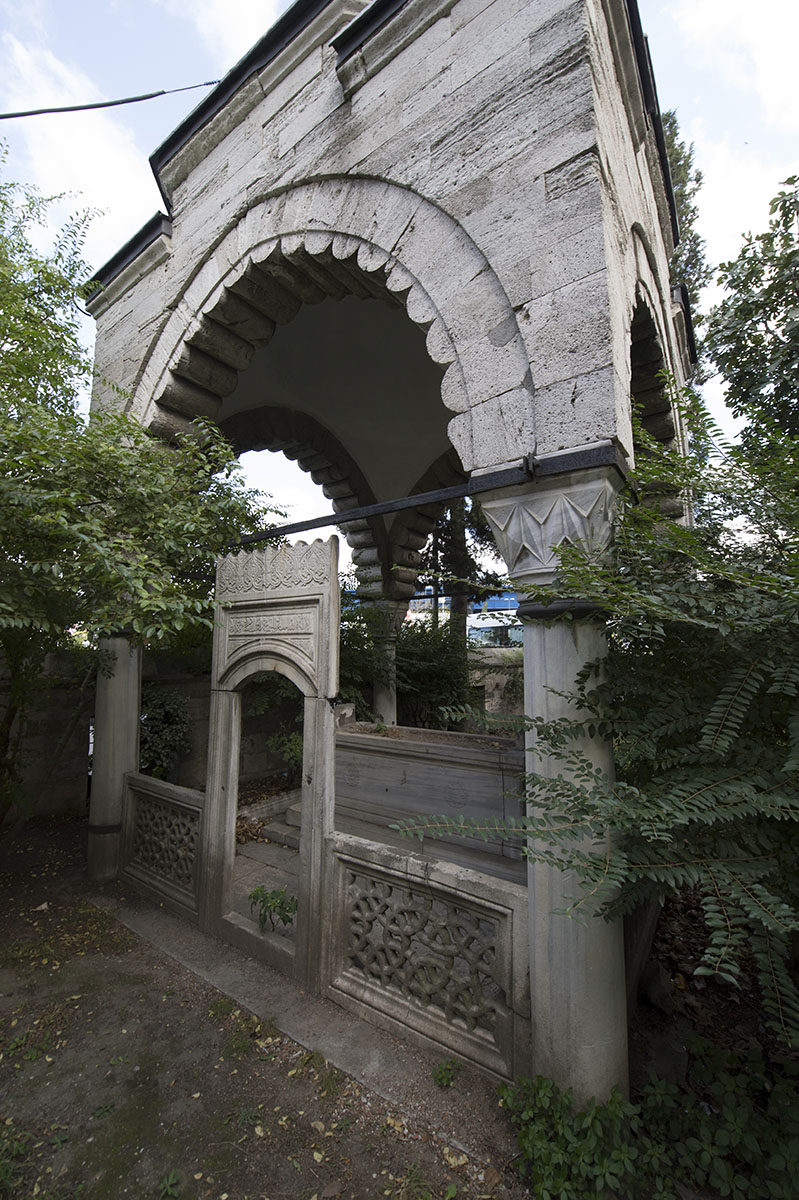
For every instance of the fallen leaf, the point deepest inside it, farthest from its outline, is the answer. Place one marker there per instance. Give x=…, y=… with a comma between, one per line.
x=453, y=1159
x=318, y=1156
x=318, y=1126
x=492, y=1179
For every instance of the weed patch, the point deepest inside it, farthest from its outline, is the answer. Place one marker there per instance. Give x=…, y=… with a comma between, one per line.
x=444, y=1073
x=244, y=1035
x=735, y=1132
x=15, y=1146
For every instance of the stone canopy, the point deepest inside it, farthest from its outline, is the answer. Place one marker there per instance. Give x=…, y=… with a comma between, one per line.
x=407, y=242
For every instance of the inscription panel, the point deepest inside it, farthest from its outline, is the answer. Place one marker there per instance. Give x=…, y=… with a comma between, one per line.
x=272, y=568
x=270, y=624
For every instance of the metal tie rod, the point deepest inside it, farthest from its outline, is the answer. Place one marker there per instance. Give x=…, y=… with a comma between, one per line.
x=600, y=454
x=470, y=487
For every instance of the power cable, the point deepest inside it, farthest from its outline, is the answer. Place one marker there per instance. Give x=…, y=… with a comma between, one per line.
x=40, y=112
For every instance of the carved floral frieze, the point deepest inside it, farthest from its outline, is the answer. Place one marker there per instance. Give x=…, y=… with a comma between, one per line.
x=272, y=568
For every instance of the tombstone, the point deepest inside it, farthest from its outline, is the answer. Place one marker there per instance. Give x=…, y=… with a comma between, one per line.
x=278, y=610
x=415, y=244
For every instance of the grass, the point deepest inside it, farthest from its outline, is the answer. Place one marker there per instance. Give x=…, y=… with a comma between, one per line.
x=15, y=1145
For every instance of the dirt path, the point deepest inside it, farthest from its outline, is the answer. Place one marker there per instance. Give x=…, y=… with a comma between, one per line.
x=124, y=1074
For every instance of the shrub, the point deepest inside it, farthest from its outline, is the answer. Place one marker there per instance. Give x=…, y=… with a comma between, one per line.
x=734, y=1131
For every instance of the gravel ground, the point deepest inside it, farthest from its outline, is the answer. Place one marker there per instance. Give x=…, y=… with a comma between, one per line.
x=122, y=1073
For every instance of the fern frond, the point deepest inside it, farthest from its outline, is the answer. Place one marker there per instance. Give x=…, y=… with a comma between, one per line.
x=777, y=987
x=785, y=679
x=728, y=714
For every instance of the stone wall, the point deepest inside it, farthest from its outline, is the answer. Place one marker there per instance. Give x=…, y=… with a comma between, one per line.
x=452, y=125
x=54, y=750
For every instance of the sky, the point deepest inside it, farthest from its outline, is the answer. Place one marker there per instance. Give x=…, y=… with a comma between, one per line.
x=727, y=67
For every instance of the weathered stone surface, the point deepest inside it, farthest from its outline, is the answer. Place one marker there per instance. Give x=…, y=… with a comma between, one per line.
x=487, y=170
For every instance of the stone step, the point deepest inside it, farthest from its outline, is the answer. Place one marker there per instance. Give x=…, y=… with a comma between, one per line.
x=282, y=834
x=293, y=815
x=275, y=806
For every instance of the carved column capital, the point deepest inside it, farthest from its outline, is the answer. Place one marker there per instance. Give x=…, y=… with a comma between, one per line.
x=532, y=523
x=387, y=616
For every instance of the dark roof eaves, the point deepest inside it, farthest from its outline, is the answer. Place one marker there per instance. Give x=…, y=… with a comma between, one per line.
x=361, y=28
x=158, y=224
x=652, y=106
x=274, y=42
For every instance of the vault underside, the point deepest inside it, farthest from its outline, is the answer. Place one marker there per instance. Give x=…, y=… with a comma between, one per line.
x=348, y=389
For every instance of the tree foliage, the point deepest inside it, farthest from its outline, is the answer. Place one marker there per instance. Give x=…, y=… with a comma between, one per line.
x=689, y=263
x=42, y=359
x=454, y=564
x=753, y=333
x=700, y=694
x=102, y=527
x=431, y=667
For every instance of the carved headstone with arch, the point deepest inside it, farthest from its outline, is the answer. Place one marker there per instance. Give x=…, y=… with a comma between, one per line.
x=277, y=610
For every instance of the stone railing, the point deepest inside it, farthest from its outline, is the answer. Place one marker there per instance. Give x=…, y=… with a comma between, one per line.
x=161, y=842
x=430, y=948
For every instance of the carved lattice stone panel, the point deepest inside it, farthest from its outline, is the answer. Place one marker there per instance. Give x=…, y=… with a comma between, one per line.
x=165, y=840
x=425, y=948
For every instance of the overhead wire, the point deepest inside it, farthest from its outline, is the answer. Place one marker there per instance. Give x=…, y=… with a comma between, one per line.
x=71, y=108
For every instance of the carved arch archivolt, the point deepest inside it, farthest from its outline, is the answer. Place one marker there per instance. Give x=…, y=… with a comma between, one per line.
x=651, y=349
x=335, y=237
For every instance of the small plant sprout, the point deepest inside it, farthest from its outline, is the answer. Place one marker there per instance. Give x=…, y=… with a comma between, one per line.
x=444, y=1072
x=273, y=906
x=170, y=1186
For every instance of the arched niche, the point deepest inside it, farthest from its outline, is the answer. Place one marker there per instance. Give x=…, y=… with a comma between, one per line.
x=277, y=609
x=382, y=249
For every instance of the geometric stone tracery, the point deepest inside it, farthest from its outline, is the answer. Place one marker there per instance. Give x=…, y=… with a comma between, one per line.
x=430, y=951
x=165, y=840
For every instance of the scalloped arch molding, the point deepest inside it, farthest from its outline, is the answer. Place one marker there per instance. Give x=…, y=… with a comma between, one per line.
x=330, y=237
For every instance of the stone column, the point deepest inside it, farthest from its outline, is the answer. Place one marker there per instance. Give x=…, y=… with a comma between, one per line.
x=388, y=616
x=314, y=934
x=577, y=976
x=219, y=838
x=116, y=751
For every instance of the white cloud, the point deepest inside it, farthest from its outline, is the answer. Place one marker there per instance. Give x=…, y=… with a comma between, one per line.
x=91, y=155
x=739, y=183
x=31, y=16
x=752, y=47
x=295, y=492
x=227, y=27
